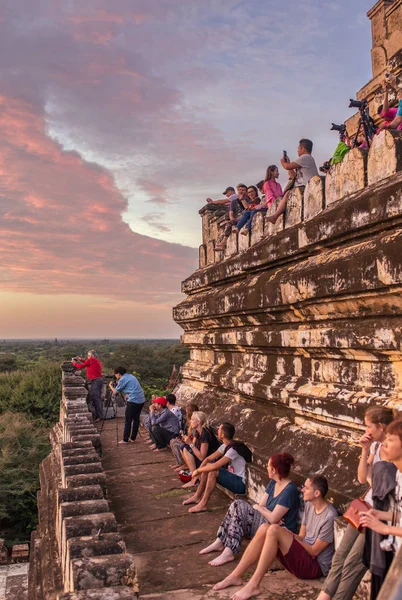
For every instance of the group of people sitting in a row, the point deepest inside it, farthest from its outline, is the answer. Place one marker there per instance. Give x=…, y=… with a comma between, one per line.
x=306, y=550
x=241, y=205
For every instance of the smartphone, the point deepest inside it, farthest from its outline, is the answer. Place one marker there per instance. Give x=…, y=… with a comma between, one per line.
x=285, y=155
x=387, y=75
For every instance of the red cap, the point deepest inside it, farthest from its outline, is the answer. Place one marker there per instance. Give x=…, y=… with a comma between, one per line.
x=162, y=401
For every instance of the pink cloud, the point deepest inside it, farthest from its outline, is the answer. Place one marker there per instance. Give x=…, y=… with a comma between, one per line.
x=63, y=231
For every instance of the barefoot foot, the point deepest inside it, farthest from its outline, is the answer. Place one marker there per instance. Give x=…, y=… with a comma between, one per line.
x=191, y=500
x=247, y=592
x=216, y=546
x=190, y=484
x=198, y=508
x=226, y=556
x=227, y=582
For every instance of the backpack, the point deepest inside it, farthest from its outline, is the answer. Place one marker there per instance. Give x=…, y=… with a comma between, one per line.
x=241, y=449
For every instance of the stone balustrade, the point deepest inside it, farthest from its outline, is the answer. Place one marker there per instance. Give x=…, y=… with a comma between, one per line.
x=76, y=551
x=353, y=177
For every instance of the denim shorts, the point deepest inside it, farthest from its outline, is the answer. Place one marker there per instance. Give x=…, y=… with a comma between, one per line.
x=231, y=482
x=190, y=450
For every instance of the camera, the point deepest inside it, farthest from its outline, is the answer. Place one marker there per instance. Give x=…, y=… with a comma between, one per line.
x=387, y=75
x=360, y=104
x=325, y=167
x=340, y=128
x=76, y=358
x=388, y=545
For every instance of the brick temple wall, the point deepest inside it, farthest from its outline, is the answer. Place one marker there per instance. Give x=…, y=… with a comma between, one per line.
x=297, y=328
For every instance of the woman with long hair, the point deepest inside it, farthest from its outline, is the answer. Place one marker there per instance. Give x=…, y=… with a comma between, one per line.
x=347, y=568
x=198, y=445
x=279, y=504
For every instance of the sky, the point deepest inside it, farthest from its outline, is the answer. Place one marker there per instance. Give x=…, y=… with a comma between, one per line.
x=118, y=119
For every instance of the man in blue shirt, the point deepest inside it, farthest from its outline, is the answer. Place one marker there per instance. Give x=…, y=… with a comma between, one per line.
x=130, y=387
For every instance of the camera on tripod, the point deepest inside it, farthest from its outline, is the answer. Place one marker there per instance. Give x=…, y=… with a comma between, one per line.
x=340, y=128
x=360, y=104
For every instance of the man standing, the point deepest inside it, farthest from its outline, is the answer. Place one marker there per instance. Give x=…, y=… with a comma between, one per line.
x=94, y=374
x=305, y=168
x=307, y=555
x=225, y=466
x=130, y=387
x=164, y=424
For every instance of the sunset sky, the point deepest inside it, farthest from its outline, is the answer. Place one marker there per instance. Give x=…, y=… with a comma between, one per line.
x=118, y=119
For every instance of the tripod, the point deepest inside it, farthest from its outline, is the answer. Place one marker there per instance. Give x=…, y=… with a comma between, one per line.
x=366, y=125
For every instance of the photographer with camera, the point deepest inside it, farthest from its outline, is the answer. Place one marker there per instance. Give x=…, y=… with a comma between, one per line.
x=131, y=388
x=94, y=374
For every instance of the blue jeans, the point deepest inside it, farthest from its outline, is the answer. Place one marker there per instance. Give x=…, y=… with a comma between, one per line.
x=247, y=218
x=231, y=482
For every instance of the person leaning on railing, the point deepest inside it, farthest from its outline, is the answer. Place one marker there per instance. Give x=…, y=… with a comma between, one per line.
x=94, y=374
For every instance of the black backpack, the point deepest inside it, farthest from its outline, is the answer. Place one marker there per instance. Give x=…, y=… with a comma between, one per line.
x=241, y=449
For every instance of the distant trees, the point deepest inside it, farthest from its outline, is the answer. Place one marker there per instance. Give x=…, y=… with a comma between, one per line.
x=23, y=445
x=30, y=394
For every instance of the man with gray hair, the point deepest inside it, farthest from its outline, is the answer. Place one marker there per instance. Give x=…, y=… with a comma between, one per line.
x=94, y=374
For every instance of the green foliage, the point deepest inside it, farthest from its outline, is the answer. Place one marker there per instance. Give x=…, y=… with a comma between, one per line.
x=30, y=393
x=35, y=393
x=23, y=445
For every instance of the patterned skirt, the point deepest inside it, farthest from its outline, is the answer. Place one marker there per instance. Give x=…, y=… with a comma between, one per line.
x=241, y=521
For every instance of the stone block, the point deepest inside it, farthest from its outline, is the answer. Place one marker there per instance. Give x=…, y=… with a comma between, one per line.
x=269, y=228
x=95, y=439
x=243, y=241
x=72, y=392
x=84, y=507
x=79, y=494
x=294, y=208
x=107, y=571
x=87, y=546
x=347, y=177
x=257, y=228
x=202, y=254
x=385, y=156
x=73, y=481
x=83, y=468
x=3, y=552
x=210, y=253
x=79, y=459
x=70, y=448
x=232, y=245
x=314, y=199
x=88, y=525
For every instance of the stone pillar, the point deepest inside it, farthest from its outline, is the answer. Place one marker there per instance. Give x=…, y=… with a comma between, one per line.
x=385, y=156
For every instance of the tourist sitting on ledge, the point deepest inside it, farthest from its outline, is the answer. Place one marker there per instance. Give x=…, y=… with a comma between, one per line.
x=199, y=445
x=229, y=193
x=164, y=424
x=307, y=555
x=396, y=122
x=232, y=216
x=305, y=168
x=176, y=410
x=255, y=205
x=225, y=466
x=347, y=568
x=387, y=112
x=177, y=443
x=280, y=504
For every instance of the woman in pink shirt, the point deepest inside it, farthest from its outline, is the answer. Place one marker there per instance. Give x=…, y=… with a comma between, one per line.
x=271, y=188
